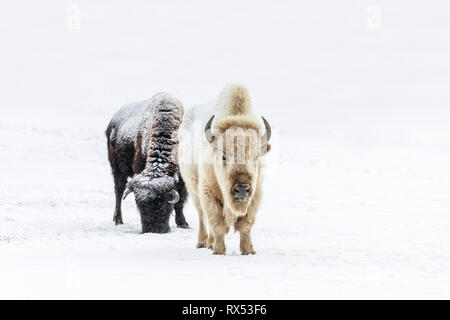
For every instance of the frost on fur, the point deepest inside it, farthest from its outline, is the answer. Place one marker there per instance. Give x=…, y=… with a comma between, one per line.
x=234, y=100
x=147, y=189
x=143, y=144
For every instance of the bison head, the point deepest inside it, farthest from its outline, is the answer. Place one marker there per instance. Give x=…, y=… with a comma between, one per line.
x=238, y=148
x=155, y=199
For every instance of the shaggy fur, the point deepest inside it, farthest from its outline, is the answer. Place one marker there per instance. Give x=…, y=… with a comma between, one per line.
x=142, y=143
x=211, y=178
x=235, y=101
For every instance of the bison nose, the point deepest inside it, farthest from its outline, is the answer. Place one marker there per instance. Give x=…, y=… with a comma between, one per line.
x=241, y=190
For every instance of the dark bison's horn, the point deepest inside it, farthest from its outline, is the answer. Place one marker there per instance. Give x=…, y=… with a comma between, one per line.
x=266, y=137
x=127, y=192
x=176, y=196
x=208, y=133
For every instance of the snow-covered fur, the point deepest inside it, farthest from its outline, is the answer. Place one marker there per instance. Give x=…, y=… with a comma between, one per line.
x=142, y=144
x=225, y=191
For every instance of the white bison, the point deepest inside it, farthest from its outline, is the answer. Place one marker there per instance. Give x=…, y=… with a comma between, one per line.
x=221, y=161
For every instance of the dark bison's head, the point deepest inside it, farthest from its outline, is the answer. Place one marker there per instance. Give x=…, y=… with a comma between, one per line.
x=155, y=199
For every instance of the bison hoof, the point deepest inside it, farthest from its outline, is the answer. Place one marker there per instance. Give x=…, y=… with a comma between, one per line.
x=247, y=252
x=201, y=245
x=184, y=225
x=117, y=219
x=210, y=242
x=220, y=251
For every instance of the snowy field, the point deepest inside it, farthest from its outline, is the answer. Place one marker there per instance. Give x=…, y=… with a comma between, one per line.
x=357, y=201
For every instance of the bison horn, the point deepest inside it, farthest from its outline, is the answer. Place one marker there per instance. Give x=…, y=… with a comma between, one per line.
x=176, y=196
x=266, y=137
x=208, y=133
x=127, y=192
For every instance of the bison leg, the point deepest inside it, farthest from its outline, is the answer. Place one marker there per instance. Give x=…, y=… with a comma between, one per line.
x=219, y=231
x=202, y=232
x=119, y=182
x=119, y=188
x=216, y=221
x=179, y=216
x=244, y=226
x=210, y=241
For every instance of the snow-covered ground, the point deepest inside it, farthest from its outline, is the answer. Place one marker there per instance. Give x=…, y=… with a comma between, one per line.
x=357, y=200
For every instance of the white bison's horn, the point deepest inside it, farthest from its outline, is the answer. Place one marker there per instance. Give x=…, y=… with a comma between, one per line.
x=208, y=133
x=266, y=137
x=176, y=196
x=127, y=192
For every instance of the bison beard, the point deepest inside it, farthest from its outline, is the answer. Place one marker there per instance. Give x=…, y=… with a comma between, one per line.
x=142, y=144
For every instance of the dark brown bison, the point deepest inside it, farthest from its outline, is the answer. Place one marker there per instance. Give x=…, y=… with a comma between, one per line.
x=142, y=147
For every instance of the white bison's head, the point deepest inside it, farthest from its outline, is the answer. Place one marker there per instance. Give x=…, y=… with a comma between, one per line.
x=237, y=150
